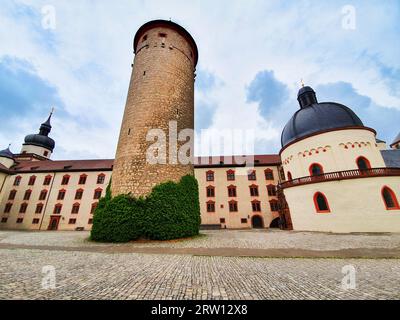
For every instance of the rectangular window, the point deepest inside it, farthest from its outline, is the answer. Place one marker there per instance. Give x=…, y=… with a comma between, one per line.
x=254, y=191
x=57, y=209
x=90, y=221
x=274, y=206
x=4, y=220
x=256, y=206
x=20, y=220
x=233, y=206
x=230, y=175
x=39, y=208
x=269, y=175
x=12, y=195
x=271, y=191
x=23, y=208
x=222, y=220
x=97, y=194
x=79, y=195
x=244, y=221
x=252, y=176
x=75, y=209
x=35, y=221
x=65, y=180
x=8, y=207
x=43, y=195
x=61, y=195
x=17, y=181
x=210, y=192
x=72, y=221
x=232, y=192
x=82, y=179
x=101, y=179
x=211, y=207
x=32, y=181
x=210, y=176
x=27, y=195
x=47, y=181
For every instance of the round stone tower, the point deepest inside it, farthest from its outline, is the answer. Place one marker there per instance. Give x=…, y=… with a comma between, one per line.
x=161, y=93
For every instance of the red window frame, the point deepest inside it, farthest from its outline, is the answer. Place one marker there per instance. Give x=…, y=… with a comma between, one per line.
x=17, y=181
x=43, y=194
x=271, y=189
x=254, y=191
x=210, y=192
x=274, y=205
x=23, y=207
x=321, y=168
x=317, y=209
x=79, y=194
x=82, y=179
x=269, y=175
x=367, y=163
x=232, y=191
x=233, y=206
x=393, y=196
x=57, y=208
x=97, y=193
x=65, y=180
x=32, y=180
x=8, y=207
x=61, y=194
x=289, y=176
x=230, y=175
x=252, y=175
x=12, y=195
x=211, y=206
x=101, y=178
x=256, y=206
x=47, y=180
x=39, y=208
x=210, y=176
x=27, y=195
x=75, y=208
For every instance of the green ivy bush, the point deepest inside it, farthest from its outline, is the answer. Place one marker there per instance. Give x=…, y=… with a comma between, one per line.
x=171, y=211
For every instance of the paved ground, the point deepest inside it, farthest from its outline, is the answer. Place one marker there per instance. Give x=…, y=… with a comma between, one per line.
x=105, y=275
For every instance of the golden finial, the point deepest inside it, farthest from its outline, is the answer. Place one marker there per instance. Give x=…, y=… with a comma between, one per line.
x=302, y=83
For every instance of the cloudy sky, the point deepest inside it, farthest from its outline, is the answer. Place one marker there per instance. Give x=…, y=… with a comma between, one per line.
x=253, y=55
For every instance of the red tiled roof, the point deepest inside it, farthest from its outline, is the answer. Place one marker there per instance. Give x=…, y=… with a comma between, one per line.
x=257, y=160
x=107, y=164
x=67, y=165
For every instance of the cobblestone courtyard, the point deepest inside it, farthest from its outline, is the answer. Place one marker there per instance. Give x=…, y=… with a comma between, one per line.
x=95, y=273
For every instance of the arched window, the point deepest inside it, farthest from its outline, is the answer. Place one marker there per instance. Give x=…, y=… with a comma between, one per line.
x=289, y=176
x=321, y=203
x=389, y=198
x=363, y=163
x=316, y=169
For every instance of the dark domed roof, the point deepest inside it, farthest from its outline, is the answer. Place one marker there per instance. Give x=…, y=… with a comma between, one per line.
x=6, y=153
x=314, y=117
x=42, y=139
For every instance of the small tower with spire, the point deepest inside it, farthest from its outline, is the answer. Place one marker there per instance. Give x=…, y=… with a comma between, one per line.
x=7, y=157
x=40, y=144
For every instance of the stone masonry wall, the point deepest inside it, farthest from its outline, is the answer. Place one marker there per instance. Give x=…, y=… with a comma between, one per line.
x=161, y=90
